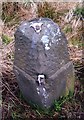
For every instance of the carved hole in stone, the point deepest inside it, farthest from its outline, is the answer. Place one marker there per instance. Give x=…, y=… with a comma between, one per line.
x=37, y=27
x=37, y=82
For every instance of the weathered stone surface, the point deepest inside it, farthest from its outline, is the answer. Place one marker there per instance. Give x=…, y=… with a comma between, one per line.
x=41, y=62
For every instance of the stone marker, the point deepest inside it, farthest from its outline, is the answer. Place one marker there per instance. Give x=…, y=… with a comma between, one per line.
x=41, y=62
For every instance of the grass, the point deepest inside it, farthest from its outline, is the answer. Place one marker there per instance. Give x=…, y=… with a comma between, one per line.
x=58, y=103
x=67, y=29
x=46, y=10
x=16, y=116
x=38, y=111
x=10, y=20
x=19, y=112
x=56, y=107
x=6, y=39
x=79, y=11
x=7, y=18
x=10, y=13
x=76, y=41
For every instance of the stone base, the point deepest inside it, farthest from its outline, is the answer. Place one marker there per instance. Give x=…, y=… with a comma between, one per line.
x=59, y=84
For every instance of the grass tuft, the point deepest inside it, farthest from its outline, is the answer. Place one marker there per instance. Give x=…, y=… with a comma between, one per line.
x=6, y=39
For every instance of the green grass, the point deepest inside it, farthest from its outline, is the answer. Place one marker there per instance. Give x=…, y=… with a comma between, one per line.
x=76, y=42
x=79, y=11
x=67, y=29
x=6, y=18
x=58, y=103
x=10, y=20
x=6, y=39
x=56, y=107
x=16, y=116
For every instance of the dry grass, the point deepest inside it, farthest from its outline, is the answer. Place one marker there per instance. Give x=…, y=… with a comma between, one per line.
x=14, y=106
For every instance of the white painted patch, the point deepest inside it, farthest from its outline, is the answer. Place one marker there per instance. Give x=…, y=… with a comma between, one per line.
x=38, y=92
x=48, y=25
x=47, y=47
x=25, y=24
x=23, y=30
x=45, y=41
x=58, y=31
x=41, y=79
x=59, y=39
x=37, y=89
x=50, y=44
x=18, y=49
x=44, y=89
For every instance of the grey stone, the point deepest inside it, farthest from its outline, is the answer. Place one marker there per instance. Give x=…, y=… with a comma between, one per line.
x=41, y=61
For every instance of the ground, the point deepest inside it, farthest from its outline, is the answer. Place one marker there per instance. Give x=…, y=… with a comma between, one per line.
x=14, y=107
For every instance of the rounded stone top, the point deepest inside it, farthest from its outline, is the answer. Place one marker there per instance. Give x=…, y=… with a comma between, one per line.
x=36, y=25
x=41, y=30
